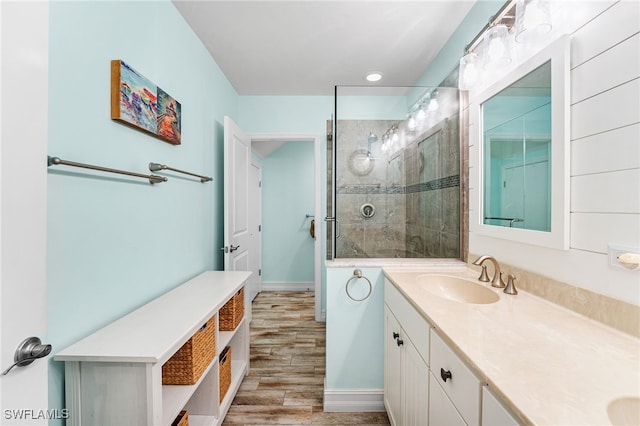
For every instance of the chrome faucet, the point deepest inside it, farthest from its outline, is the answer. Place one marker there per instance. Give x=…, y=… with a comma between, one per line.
x=496, y=281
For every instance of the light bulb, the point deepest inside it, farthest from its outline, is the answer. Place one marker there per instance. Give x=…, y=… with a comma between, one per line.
x=533, y=20
x=411, y=124
x=433, y=105
x=497, y=50
x=469, y=73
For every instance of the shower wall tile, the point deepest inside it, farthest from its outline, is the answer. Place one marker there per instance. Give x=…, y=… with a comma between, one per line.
x=451, y=210
x=415, y=193
x=450, y=244
x=350, y=243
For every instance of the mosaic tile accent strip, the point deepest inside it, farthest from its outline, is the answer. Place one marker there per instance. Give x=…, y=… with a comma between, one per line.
x=370, y=189
x=442, y=183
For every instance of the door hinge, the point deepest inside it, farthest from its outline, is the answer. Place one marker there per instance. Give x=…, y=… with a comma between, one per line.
x=259, y=228
x=259, y=272
x=259, y=184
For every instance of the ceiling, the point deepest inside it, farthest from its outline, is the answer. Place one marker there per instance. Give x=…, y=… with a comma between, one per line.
x=307, y=47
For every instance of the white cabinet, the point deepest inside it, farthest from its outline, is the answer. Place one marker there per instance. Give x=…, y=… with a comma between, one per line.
x=493, y=411
x=392, y=368
x=459, y=383
x=406, y=372
x=114, y=376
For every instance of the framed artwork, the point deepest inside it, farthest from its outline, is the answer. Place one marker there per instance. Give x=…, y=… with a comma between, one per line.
x=137, y=102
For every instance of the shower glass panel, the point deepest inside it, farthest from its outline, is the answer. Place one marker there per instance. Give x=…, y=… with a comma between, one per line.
x=396, y=172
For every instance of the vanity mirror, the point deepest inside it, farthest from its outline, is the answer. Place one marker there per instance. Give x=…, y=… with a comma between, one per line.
x=522, y=150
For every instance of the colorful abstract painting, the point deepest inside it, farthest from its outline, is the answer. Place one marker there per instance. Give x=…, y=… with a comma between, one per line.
x=137, y=102
x=168, y=121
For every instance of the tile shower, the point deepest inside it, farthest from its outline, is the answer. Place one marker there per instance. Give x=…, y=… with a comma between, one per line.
x=399, y=200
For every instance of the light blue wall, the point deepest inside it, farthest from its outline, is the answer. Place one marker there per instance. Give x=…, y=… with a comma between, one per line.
x=285, y=114
x=371, y=107
x=355, y=330
x=287, y=196
x=115, y=243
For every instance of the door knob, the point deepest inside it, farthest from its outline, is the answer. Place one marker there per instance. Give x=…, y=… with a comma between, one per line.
x=28, y=351
x=233, y=248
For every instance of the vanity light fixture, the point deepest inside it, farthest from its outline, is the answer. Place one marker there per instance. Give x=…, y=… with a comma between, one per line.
x=530, y=20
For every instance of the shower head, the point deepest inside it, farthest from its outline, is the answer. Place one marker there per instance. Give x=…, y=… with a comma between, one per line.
x=371, y=139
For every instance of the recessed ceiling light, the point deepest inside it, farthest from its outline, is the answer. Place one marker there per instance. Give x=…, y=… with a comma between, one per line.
x=373, y=76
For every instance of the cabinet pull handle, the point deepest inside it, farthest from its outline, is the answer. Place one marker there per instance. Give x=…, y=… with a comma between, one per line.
x=445, y=374
x=395, y=335
x=399, y=342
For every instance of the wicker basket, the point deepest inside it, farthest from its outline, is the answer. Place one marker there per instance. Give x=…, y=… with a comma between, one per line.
x=181, y=420
x=232, y=312
x=187, y=365
x=225, y=371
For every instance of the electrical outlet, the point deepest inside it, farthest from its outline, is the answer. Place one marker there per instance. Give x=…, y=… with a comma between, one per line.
x=615, y=251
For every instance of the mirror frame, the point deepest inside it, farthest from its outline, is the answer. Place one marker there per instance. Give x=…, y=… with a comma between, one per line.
x=558, y=52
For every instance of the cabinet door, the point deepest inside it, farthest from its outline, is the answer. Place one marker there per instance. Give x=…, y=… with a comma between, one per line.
x=441, y=409
x=493, y=412
x=415, y=387
x=392, y=368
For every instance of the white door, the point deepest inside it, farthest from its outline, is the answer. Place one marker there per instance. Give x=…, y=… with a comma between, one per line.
x=24, y=54
x=255, y=230
x=237, y=159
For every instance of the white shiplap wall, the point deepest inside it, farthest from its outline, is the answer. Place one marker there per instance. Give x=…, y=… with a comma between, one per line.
x=605, y=156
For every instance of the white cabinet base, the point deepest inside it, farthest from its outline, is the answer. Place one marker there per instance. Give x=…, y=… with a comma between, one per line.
x=114, y=376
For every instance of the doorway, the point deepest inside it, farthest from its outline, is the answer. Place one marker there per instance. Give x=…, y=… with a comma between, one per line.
x=263, y=146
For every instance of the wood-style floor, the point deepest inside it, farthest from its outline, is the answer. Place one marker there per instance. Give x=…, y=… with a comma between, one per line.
x=286, y=379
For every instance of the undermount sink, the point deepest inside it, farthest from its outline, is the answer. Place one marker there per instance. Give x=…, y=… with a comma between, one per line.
x=456, y=289
x=624, y=411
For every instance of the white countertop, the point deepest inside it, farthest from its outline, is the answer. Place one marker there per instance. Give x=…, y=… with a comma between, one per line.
x=156, y=330
x=549, y=364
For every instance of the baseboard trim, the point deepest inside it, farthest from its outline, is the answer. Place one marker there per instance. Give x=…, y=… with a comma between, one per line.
x=288, y=286
x=355, y=401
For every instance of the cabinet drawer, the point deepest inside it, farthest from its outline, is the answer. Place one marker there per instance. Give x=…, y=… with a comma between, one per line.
x=414, y=324
x=462, y=387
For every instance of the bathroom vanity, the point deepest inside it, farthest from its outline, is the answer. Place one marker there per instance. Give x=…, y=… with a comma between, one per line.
x=497, y=358
x=114, y=376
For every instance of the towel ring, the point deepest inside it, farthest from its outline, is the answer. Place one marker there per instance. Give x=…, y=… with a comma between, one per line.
x=357, y=274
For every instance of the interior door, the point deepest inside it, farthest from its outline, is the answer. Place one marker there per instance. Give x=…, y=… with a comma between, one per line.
x=23, y=202
x=237, y=159
x=255, y=230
